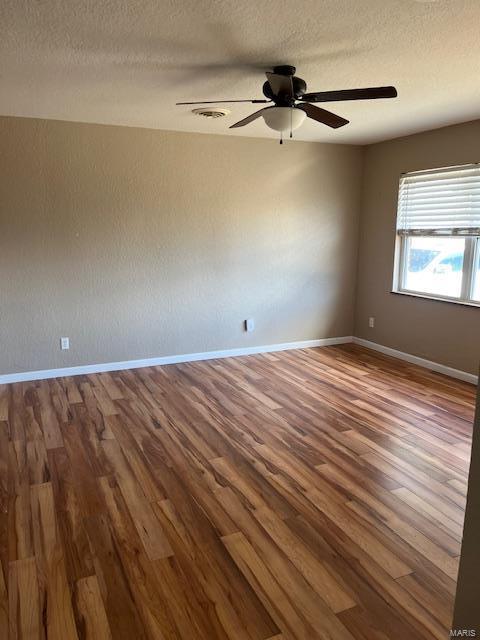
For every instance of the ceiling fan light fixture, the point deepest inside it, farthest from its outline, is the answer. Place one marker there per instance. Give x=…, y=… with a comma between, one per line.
x=283, y=118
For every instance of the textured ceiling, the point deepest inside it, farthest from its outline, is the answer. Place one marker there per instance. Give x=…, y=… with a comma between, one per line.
x=127, y=62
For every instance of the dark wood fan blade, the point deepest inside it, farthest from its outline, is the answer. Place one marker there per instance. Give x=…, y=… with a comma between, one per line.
x=281, y=85
x=323, y=116
x=370, y=93
x=248, y=119
x=220, y=101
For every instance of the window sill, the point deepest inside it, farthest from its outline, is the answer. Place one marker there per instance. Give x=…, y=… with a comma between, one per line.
x=424, y=296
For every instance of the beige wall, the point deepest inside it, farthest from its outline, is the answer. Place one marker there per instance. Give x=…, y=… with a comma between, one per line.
x=440, y=331
x=138, y=243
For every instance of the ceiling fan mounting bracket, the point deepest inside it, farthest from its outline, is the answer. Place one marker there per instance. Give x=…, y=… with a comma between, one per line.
x=284, y=70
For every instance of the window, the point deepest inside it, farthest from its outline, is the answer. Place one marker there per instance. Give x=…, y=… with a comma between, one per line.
x=438, y=234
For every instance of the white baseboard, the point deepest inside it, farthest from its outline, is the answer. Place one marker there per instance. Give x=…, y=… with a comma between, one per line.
x=421, y=362
x=25, y=376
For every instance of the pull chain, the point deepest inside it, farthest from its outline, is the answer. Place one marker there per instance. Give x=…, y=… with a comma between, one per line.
x=281, y=137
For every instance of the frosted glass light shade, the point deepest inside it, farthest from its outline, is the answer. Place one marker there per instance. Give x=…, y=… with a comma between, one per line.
x=283, y=118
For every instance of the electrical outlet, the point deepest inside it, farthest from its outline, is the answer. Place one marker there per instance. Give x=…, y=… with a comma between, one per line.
x=249, y=324
x=371, y=322
x=64, y=344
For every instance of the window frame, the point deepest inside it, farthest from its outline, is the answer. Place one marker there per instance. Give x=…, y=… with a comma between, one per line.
x=476, y=267
x=471, y=256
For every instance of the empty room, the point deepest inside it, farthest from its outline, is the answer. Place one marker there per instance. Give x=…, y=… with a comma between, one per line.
x=239, y=320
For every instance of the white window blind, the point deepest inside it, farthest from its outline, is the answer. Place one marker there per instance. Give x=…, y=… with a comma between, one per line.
x=440, y=202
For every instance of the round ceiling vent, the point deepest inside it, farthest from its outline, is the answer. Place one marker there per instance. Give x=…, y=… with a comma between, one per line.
x=211, y=112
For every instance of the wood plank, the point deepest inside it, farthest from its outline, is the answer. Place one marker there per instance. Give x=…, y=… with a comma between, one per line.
x=199, y=550
x=20, y=532
x=4, y=402
x=89, y=610
x=49, y=420
x=123, y=617
x=312, y=608
x=148, y=527
x=279, y=604
x=55, y=593
x=25, y=614
x=403, y=521
x=4, y=603
x=431, y=512
x=301, y=495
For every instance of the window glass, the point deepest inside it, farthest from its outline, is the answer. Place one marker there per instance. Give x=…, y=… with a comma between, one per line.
x=434, y=265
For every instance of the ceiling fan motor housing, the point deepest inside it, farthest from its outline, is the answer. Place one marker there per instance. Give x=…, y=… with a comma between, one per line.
x=299, y=88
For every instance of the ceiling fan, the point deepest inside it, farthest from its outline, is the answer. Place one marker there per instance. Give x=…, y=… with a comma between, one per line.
x=292, y=103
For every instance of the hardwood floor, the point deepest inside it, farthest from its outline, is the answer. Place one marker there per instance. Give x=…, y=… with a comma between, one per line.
x=306, y=494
